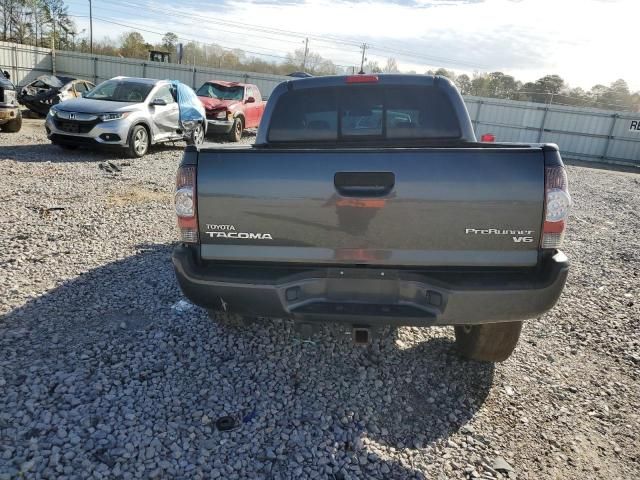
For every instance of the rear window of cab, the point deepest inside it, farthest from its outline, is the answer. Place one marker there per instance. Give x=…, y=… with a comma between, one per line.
x=357, y=112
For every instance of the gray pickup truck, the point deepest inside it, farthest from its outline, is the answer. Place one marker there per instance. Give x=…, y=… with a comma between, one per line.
x=367, y=200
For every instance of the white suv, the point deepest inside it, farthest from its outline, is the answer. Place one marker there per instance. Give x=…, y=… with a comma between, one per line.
x=128, y=112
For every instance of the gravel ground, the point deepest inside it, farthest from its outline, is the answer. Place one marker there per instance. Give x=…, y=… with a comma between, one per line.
x=104, y=373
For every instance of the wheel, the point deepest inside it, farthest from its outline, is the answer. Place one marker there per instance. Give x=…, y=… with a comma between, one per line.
x=138, y=142
x=196, y=137
x=13, y=126
x=491, y=342
x=236, y=131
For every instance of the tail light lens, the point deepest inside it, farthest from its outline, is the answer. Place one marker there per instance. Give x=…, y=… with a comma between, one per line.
x=488, y=138
x=185, y=203
x=557, y=207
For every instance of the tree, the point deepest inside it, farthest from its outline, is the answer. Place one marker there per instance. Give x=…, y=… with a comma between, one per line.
x=132, y=45
x=550, y=84
x=314, y=64
x=635, y=102
x=391, y=66
x=575, y=97
x=501, y=85
x=443, y=72
x=169, y=41
x=617, y=94
x=372, y=67
x=480, y=85
x=463, y=82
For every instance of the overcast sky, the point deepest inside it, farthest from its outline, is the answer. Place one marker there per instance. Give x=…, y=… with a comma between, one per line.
x=584, y=41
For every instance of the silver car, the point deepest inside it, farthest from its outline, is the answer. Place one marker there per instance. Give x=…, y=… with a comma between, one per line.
x=133, y=113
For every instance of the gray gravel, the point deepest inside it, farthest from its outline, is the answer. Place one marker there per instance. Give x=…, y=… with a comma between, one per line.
x=104, y=373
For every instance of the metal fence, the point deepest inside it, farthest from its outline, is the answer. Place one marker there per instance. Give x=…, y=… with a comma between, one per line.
x=582, y=133
x=587, y=134
x=25, y=63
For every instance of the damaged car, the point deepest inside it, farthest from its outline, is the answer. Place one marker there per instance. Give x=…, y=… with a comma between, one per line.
x=10, y=116
x=132, y=113
x=231, y=107
x=47, y=90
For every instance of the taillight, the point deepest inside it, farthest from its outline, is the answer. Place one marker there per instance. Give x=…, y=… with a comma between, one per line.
x=557, y=206
x=185, y=202
x=362, y=79
x=488, y=137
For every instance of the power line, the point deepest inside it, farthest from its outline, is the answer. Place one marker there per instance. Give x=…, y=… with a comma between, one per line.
x=112, y=22
x=324, y=39
x=289, y=42
x=190, y=39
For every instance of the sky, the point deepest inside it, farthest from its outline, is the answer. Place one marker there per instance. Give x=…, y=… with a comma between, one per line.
x=584, y=41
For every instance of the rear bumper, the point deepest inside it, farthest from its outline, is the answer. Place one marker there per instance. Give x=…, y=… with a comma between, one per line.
x=373, y=296
x=8, y=113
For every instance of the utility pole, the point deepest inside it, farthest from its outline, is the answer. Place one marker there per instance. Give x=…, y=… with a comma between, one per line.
x=53, y=47
x=35, y=21
x=90, y=27
x=363, y=47
x=306, y=52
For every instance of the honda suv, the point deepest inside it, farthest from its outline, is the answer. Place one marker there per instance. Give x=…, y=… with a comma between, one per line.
x=133, y=113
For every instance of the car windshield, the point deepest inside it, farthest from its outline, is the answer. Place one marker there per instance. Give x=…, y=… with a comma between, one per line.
x=120, y=91
x=214, y=90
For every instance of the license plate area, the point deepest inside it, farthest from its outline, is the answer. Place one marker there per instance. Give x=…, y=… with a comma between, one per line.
x=363, y=285
x=70, y=127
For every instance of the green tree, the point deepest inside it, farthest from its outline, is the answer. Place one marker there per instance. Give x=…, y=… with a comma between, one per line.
x=169, y=41
x=501, y=85
x=547, y=87
x=617, y=95
x=480, y=85
x=443, y=72
x=463, y=82
x=132, y=45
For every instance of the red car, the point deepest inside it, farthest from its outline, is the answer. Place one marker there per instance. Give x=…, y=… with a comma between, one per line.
x=231, y=107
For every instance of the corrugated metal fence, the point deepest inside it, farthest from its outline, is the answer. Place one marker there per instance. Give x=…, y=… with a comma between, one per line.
x=588, y=134
x=25, y=63
x=582, y=133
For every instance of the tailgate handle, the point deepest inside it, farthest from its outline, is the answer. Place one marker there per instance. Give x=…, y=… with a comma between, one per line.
x=364, y=184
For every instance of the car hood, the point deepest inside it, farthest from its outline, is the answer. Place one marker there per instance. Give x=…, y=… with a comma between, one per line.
x=215, y=103
x=89, y=105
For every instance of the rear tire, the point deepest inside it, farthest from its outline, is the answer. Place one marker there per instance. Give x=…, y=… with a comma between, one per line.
x=491, y=342
x=13, y=126
x=236, y=131
x=139, y=142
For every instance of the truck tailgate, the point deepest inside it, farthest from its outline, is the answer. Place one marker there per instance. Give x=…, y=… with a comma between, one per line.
x=397, y=207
